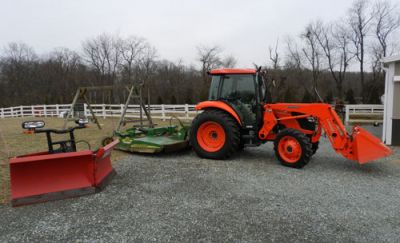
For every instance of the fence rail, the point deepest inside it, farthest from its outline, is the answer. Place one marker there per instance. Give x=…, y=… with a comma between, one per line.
x=354, y=113
x=184, y=111
x=364, y=113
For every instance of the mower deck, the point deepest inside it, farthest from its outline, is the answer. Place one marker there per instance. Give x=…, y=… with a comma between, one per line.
x=153, y=140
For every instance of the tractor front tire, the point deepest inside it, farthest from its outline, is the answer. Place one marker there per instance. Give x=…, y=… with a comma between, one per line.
x=214, y=135
x=315, y=147
x=293, y=148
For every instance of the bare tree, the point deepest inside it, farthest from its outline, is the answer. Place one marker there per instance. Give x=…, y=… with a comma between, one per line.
x=229, y=62
x=18, y=53
x=102, y=53
x=274, y=55
x=334, y=41
x=147, y=65
x=360, y=18
x=18, y=61
x=294, y=57
x=292, y=77
x=387, y=20
x=62, y=69
x=132, y=49
x=209, y=58
x=66, y=58
x=312, y=52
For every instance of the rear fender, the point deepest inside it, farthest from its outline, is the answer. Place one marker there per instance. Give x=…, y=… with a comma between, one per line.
x=218, y=105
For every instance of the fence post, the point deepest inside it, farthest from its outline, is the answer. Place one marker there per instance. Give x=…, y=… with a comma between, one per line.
x=163, y=112
x=2, y=112
x=104, y=111
x=12, y=111
x=57, y=110
x=21, y=110
x=347, y=115
x=45, y=110
x=187, y=111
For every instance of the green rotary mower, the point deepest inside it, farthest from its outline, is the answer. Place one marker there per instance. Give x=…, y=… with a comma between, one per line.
x=144, y=136
x=153, y=139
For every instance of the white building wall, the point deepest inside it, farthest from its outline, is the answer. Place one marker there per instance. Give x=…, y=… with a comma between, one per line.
x=388, y=114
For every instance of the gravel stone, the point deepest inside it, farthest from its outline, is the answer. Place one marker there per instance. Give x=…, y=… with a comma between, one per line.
x=250, y=198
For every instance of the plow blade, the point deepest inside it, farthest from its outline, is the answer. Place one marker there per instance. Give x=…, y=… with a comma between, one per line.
x=366, y=147
x=45, y=177
x=103, y=171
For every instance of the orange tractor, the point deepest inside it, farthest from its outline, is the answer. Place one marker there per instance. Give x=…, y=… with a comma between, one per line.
x=238, y=113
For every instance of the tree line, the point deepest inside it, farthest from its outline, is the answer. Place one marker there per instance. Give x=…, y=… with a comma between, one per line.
x=339, y=60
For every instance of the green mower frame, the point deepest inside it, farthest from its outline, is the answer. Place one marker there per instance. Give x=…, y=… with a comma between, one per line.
x=148, y=139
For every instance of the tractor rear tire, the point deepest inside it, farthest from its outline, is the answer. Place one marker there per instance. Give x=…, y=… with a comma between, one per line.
x=293, y=148
x=214, y=135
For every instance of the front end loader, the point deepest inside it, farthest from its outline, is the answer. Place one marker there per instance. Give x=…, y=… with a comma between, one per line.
x=240, y=114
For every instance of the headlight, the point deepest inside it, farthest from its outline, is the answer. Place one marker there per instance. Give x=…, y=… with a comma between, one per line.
x=33, y=124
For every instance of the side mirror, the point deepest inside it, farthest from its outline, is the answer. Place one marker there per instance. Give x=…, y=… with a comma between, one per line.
x=33, y=124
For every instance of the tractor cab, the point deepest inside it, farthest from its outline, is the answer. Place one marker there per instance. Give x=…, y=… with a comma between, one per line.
x=243, y=90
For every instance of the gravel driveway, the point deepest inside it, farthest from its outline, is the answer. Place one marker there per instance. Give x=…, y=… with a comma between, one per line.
x=182, y=198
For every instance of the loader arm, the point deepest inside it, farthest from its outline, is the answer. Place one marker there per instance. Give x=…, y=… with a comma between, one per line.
x=360, y=145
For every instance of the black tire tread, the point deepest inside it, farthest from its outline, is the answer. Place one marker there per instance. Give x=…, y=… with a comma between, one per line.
x=230, y=126
x=305, y=143
x=314, y=147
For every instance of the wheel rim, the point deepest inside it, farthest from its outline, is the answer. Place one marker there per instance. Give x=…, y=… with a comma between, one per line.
x=211, y=136
x=289, y=149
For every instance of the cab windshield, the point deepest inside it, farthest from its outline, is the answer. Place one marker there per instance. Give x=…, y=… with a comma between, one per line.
x=239, y=90
x=233, y=87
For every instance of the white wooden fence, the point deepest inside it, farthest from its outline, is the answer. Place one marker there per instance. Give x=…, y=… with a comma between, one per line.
x=364, y=113
x=368, y=113
x=101, y=110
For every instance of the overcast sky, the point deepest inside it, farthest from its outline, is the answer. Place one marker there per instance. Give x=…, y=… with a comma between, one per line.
x=243, y=29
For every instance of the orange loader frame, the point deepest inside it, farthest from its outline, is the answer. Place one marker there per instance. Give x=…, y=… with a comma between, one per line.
x=360, y=145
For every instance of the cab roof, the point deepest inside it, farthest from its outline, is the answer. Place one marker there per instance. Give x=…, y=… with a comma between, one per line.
x=223, y=71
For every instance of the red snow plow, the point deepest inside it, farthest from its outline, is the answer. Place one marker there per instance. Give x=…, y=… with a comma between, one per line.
x=61, y=172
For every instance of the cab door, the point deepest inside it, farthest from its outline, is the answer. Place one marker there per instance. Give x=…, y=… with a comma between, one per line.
x=240, y=92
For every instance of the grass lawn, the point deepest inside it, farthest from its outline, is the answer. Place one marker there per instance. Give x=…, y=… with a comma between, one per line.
x=15, y=143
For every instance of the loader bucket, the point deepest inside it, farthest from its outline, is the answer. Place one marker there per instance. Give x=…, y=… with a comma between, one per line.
x=366, y=147
x=42, y=177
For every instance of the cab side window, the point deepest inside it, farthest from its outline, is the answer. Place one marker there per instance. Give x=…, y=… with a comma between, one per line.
x=238, y=87
x=214, y=88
